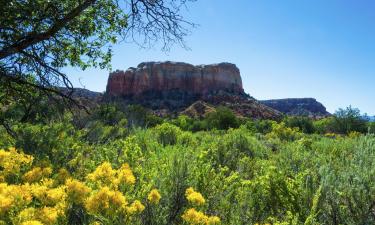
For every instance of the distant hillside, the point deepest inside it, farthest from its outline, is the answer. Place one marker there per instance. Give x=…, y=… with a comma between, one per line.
x=82, y=93
x=298, y=106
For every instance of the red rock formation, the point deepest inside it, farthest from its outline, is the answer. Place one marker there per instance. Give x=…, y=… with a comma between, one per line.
x=164, y=76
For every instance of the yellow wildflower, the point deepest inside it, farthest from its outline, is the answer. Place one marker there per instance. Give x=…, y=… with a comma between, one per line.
x=49, y=196
x=125, y=174
x=103, y=200
x=194, y=197
x=103, y=174
x=27, y=214
x=154, y=196
x=135, y=207
x=36, y=174
x=193, y=216
x=20, y=194
x=11, y=161
x=6, y=204
x=213, y=220
x=56, y=195
x=48, y=215
x=76, y=190
x=32, y=222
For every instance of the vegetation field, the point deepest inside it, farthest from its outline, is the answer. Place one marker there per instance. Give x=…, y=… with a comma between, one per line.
x=128, y=167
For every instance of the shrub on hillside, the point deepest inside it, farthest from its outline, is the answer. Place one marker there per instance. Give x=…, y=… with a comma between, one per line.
x=222, y=119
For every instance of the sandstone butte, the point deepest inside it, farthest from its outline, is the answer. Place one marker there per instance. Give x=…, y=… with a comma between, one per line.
x=166, y=76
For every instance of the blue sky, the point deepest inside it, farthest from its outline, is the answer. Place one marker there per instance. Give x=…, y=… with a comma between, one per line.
x=292, y=48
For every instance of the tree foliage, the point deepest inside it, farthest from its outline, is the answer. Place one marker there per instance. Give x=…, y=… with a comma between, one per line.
x=39, y=38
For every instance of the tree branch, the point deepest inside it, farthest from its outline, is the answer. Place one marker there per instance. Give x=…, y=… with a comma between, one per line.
x=33, y=38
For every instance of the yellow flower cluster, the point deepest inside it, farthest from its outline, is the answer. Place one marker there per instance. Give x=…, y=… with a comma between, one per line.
x=108, y=200
x=36, y=174
x=154, y=196
x=192, y=216
x=194, y=197
x=77, y=191
x=11, y=161
x=13, y=196
x=32, y=222
x=40, y=199
x=134, y=208
x=105, y=200
x=105, y=175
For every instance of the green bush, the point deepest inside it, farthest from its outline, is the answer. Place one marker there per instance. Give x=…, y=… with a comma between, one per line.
x=304, y=124
x=222, y=119
x=347, y=120
x=167, y=133
x=371, y=127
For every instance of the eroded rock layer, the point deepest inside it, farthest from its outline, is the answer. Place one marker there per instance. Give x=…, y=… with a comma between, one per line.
x=164, y=76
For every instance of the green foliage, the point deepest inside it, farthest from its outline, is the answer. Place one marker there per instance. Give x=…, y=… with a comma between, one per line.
x=304, y=124
x=284, y=133
x=139, y=116
x=324, y=125
x=167, y=133
x=108, y=114
x=222, y=119
x=347, y=120
x=246, y=177
x=371, y=127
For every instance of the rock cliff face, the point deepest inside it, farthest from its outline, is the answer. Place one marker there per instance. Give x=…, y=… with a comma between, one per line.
x=298, y=106
x=167, y=76
x=173, y=87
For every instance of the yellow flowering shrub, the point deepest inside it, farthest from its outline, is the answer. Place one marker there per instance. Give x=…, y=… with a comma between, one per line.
x=134, y=208
x=5, y=204
x=49, y=215
x=77, y=191
x=193, y=216
x=32, y=222
x=13, y=196
x=11, y=161
x=42, y=197
x=103, y=175
x=194, y=197
x=36, y=174
x=154, y=196
x=125, y=174
x=105, y=201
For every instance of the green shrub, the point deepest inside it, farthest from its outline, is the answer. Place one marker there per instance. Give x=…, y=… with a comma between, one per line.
x=304, y=124
x=167, y=133
x=284, y=133
x=371, y=127
x=222, y=119
x=347, y=120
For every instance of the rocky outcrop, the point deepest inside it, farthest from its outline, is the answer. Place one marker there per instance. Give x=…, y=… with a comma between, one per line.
x=198, y=109
x=298, y=107
x=152, y=77
x=174, y=86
